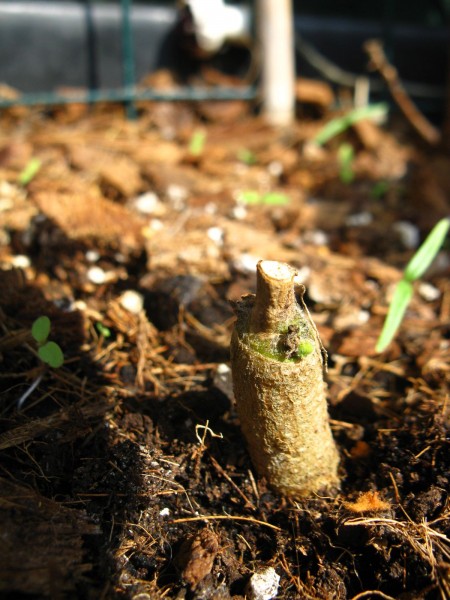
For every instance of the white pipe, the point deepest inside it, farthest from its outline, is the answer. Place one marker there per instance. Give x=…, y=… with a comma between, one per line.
x=276, y=37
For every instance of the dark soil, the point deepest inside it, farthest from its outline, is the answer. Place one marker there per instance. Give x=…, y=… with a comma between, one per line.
x=124, y=473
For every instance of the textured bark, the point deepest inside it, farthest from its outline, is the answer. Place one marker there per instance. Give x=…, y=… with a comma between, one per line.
x=277, y=363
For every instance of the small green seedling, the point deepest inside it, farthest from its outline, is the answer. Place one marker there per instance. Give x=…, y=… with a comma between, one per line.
x=30, y=171
x=103, y=330
x=250, y=197
x=49, y=352
x=197, y=143
x=380, y=189
x=416, y=267
x=247, y=157
x=341, y=124
x=346, y=156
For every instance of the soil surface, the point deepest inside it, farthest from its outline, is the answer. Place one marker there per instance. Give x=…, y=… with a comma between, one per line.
x=124, y=473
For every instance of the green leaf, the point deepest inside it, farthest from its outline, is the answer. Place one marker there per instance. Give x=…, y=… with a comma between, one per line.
x=30, y=171
x=379, y=189
x=40, y=329
x=340, y=124
x=103, y=330
x=197, y=143
x=270, y=199
x=427, y=252
x=402, y=297
x=51, y=354
x=346, y=154
x=250, y=197
x=275, y=199
x=247, y=157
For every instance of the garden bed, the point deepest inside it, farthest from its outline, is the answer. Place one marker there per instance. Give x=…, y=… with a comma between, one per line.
x=124, y=474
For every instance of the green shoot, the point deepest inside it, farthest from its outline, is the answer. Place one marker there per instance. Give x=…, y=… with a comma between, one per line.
x=49, y=352
x=103, y=330
x=402, y=296
x=30, y=171
x=413, y=271
x=197, y=143
x=427, y=252
x=346, y=155
x=250, y=197
x=41, y=329
x=380, y=189
x=247, y=157
x=341, y=124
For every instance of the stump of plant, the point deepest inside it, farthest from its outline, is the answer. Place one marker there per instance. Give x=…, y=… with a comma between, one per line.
x=277, y=363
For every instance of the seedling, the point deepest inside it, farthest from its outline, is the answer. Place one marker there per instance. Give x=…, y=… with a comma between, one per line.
x=341, y=124
x=277, y=365
x=30, y=171
x=346, y=155
x=49, y=352
x=197, y=143
x=414, y=270
x=252, y=197
x=247, y=157
x=103, y=330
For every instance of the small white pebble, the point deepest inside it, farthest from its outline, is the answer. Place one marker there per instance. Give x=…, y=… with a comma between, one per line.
x=165, y=512
x=275, y=168
x=147, y=204
x=363, y=316
x=21, y=261
x=429, y=292
x=409, y=234
x=210, y=208
x=263, y=585
x=132, y=301
x=156, y=225
x=239, y=212
x=316, y=237
x=177, y=195
x=79, y=305
x=216, y=235
x=246, y=263
x=97, y=275
x=359, y=219
x=223, y=369
x=92, y=256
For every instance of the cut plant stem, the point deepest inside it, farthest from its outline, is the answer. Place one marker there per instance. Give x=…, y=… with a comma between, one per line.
x=277, y=363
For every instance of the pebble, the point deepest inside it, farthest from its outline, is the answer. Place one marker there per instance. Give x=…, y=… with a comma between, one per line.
x=98, y=276
x=359, y=219
x=409, y=234
x=316, y=237
x=21, y=261
x=148, y=204
x=132, y=301
x=239, y=212
x=263, y=585
x=92, y=256
x=216, y=235
x=429, y=292
x=165, y=512
x=246, y=263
